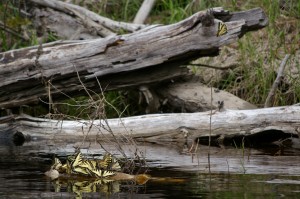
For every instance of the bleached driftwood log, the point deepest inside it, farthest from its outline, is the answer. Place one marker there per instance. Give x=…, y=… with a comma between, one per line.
x=34, y=73
x=193, y=96
x=181, y=127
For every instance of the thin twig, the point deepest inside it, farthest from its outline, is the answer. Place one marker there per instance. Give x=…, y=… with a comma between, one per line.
x=277, y=81
x=209, y=138
x=214, y=67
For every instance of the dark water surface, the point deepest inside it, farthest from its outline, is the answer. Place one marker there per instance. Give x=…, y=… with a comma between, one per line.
x=235, y=173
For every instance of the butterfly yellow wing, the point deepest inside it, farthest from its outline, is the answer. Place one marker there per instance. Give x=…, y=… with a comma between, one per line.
x=80, y=170
x=109, y=163
x=91, y=163
x=76, y=165
x=88, y=166
x=102, y=173
x=77, y=160
x=67, y=167
x=57, y=164
x=107, y=173
x=222, y=29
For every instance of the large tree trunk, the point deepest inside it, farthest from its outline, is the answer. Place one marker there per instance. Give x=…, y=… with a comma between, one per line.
x=150, y=55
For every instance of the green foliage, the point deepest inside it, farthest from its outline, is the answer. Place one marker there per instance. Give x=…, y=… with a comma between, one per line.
x=112, y=104
x=13, y=21
x=170, y=11
x=120, y=10
x=242, y=158
x=121, y=104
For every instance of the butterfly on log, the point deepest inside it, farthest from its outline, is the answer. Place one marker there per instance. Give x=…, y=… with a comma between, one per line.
x=222, y=29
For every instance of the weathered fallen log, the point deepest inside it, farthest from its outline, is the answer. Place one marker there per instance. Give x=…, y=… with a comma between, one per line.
x=260, y=125
x=150, y=55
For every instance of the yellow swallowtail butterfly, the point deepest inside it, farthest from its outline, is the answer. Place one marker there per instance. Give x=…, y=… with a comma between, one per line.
x=109, y=163
x=76, y=165
x=106, y=161
x=222, y=29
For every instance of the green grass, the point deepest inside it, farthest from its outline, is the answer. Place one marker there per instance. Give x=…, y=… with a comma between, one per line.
x=11, y=18
x=259, y=53
x=120, y=10
x=242, y=158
